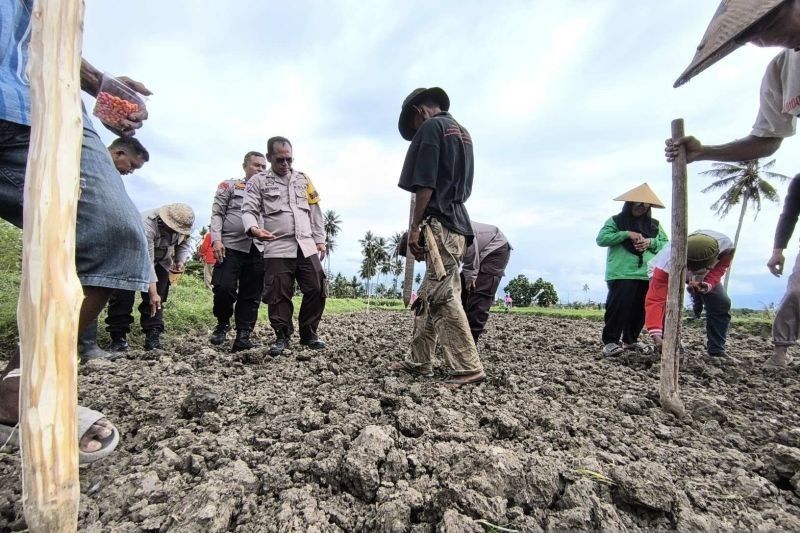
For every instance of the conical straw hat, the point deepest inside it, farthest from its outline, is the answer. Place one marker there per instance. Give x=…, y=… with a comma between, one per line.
x=643, y=193
x=733, y=17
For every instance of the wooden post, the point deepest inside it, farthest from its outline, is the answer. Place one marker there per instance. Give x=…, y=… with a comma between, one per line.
x=669, y=391
x=50, y=294
x=433, y=251
x=408, y=282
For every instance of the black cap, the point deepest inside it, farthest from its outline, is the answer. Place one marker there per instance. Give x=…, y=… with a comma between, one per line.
x=416, y=96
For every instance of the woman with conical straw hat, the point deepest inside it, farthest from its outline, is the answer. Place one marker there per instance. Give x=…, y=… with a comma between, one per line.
x=632, y=237
x=763, y=23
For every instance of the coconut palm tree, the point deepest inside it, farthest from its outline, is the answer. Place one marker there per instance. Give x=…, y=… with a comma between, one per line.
x=333, y=225
x=743, y=183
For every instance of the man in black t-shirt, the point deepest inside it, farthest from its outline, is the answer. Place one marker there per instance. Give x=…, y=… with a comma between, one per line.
x=438, y=169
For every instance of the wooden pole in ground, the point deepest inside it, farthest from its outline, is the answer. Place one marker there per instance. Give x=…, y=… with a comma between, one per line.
x=669, y=391
x=50, y=294
x=408, y=281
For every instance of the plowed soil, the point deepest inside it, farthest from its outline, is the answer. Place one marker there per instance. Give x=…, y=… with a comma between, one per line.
x=556, y=439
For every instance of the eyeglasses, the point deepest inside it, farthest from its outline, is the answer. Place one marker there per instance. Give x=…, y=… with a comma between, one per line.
x=282, y=160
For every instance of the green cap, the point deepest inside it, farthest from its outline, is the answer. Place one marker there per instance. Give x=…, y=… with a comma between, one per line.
x=701, y=251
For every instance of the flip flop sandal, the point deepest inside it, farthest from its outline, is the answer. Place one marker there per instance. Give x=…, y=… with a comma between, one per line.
x=611, y=349
x=402, y=366
x=9, y=436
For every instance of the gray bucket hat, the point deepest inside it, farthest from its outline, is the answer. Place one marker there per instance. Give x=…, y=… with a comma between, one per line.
x=177, y=217
x=416, y=96
x=732, y=19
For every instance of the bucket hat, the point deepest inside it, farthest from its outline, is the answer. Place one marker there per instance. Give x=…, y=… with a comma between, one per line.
x=731, y=20
x=177, y=217
x=416, y=96
x=643, y=193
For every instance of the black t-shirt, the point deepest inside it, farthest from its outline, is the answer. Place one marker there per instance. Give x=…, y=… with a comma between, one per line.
x=788, y=218
x=440, y=158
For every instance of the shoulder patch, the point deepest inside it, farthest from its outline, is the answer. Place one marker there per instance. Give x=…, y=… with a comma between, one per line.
x=240, y=185
x=224, y=186
x=311, y=192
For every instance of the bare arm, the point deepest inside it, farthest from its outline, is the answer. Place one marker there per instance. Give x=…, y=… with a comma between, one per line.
x=423, y=199
x=750, y=147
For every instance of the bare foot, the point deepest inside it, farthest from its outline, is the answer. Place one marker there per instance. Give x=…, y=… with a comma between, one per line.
x=780, y=358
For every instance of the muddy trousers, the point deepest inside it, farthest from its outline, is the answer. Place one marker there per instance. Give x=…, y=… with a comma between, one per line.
x=279, y=278
x=624, y=314
x=238, y=283
x=478, y=301
x=787, y=319
x=120, y=308
x=439, y=314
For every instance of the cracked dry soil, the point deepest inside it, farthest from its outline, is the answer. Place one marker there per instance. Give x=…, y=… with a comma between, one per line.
x=328, y=441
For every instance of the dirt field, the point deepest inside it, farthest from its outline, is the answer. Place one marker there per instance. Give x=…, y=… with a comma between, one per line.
x=555, y=439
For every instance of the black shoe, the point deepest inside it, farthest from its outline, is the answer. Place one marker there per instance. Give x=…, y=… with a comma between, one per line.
x=281, y=343
x=152, y=341
x=242, y=341
x=314, y=344
x=220, y=334
x=118, y=344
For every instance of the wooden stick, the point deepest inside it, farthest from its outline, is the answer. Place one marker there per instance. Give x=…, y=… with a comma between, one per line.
x=433, y=251
x=408, y=282
x=669, y=391
x=50, y=293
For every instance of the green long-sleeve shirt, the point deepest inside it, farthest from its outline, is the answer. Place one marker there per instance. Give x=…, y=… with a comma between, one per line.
x=620, y=263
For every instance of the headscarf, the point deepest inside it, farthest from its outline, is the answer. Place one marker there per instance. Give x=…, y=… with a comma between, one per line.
x=646, y=225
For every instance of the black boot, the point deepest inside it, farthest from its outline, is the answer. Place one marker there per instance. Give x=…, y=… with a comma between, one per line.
x=152, y=341
x=219, y=335
x=242, y=341
x=281, y=343
x=314, y=344
x=87, y=344
x=118, y=343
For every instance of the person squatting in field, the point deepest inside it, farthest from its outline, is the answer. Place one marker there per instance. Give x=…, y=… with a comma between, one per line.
x=110, y=247
x=438, y=169
x=286, y=204
x=238, y=278
x=633, y=237
x=708, y=256
x=168, y=229
x=763, y=23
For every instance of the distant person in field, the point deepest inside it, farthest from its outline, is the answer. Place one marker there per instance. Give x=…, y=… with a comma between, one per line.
x=438, y=169
x=238, y=278
x=508, y=302
x=167, y=229
x=709, y=254
x=209, y=260
x=281, y=208
x=128, y=156
x=633, y=237
x=110, y=247
x=484, y=266
x=763, y=23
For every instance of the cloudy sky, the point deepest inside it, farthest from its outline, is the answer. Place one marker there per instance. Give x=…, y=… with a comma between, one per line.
x=568, y=103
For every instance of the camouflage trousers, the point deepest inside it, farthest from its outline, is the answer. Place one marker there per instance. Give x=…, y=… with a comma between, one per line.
x=439, y=314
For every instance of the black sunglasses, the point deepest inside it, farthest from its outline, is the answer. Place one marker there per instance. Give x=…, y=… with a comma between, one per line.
x=282, y=160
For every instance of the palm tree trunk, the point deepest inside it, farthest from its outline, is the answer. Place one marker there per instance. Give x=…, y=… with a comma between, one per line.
x=736, y=238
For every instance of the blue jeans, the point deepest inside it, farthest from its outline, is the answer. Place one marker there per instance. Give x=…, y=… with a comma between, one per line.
x=718, y=318
x=111, y=248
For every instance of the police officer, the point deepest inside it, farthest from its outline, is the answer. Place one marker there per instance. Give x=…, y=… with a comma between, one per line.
x=128, y=155
x=238, y=278
x=294, y=238
x=167, y=229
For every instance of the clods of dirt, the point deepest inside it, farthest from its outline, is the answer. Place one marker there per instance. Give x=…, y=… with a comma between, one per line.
x=557, y=438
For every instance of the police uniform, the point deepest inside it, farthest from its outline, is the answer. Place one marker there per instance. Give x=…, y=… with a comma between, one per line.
x=288, y=207
x=166, y=248
x=239, y=279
